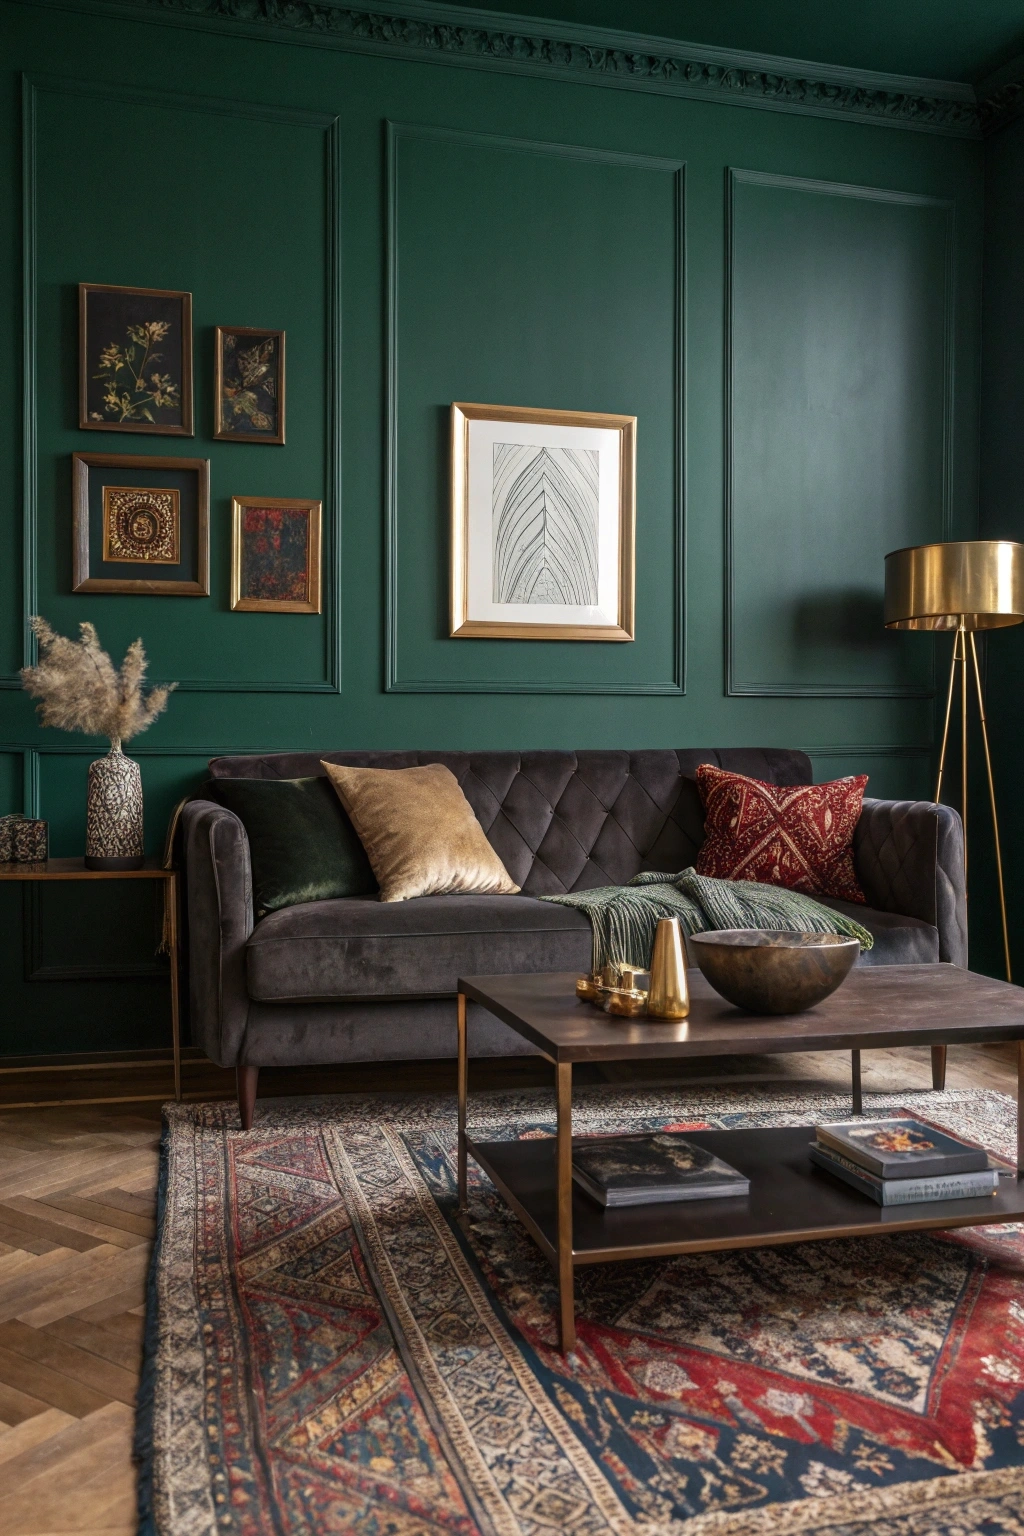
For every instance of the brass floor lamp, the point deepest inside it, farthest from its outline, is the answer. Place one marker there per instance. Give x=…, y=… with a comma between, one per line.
x=960, y=587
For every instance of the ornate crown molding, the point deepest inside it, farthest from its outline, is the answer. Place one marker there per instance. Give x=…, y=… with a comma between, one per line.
x=1001, y=97
x=597, y=56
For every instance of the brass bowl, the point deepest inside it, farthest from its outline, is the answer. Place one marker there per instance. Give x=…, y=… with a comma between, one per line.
x=771, y=971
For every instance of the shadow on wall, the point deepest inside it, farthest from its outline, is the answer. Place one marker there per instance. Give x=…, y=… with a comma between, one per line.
x=847, y=618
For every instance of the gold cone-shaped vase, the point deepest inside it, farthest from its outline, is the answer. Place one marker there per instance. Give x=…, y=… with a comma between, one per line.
x=669, y=995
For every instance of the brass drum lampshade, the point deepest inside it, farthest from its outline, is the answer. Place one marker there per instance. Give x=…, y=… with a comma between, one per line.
x=960, y=587
x=979, y=584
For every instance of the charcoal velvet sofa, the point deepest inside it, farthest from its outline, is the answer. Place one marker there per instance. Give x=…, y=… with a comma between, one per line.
x=361, y=980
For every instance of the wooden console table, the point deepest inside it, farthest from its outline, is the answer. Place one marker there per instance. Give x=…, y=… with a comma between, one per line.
x=153, y=869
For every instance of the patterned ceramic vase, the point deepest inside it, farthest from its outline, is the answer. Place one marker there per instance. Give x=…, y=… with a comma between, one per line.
x=113, y=823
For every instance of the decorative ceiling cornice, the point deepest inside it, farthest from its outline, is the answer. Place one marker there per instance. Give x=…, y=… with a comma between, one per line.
x=1001, y=97
x=419, y=29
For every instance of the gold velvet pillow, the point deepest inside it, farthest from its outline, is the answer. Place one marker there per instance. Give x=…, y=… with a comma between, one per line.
x=419, y=831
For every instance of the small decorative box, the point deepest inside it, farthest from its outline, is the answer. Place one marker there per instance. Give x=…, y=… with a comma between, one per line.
x=22, y=840
x=7, y=825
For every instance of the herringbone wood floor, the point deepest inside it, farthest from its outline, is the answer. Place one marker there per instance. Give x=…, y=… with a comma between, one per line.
x=77, y=1195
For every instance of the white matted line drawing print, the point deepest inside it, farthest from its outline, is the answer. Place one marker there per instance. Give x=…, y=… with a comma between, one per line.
x=542, y=524
x=545, y=508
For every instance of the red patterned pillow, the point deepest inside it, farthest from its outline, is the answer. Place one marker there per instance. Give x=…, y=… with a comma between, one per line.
x=800, y=836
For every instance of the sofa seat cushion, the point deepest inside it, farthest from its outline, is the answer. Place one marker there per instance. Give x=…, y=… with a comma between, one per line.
x=357, y=948
x=898, y=940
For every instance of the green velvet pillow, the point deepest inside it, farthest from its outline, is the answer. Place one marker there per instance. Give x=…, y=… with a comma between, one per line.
x=302, y=843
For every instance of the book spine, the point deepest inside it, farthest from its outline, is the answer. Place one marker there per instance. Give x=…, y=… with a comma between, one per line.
x=958, y=1186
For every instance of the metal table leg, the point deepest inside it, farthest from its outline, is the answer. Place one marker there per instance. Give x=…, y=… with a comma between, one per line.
x=171, y=899
x=858, y=1098
x=463, y=1095
x=563, y=1157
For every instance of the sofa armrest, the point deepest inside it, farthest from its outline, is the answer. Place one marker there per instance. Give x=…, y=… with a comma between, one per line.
x=909, y=858
x=219, y=894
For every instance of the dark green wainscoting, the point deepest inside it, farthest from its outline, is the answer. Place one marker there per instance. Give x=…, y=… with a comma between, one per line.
x=1002, y=517
x=789, y=302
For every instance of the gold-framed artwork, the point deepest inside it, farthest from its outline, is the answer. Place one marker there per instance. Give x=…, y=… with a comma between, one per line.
x=543, y=518
x=134, y=360
x=275, y=555
x=248, y=385
x=140, y=524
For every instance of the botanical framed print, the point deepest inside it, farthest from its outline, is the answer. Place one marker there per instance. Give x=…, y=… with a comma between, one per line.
x=542, y=524
x=141, y=524
x=134, y=360
x=248, y=385
x=275, y=555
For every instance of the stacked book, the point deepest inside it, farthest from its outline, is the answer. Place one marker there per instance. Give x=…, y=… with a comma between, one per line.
x=905, y=1161
x=649, y=1170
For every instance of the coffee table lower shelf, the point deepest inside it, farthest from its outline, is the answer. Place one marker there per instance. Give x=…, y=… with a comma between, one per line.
x=790, y=1201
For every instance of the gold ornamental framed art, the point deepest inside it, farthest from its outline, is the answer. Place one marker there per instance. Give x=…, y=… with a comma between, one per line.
x=141, y=524
x=543, y=522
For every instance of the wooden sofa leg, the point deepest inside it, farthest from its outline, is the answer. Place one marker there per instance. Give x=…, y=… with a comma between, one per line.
x=247, y=1078
x=938, y=1066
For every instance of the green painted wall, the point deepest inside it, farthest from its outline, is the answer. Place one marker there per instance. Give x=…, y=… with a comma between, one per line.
x=509, y=239
x=1002, y=516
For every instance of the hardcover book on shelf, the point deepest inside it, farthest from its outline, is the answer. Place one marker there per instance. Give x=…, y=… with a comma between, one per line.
x=907, y=1191
x=902, y=1148
x=650, y=1170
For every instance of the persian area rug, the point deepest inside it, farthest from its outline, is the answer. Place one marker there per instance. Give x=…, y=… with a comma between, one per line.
x=330, y=1351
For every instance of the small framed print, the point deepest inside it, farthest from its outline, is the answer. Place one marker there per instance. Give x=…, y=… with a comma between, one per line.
x=275, y=555
x=134, y=360
x=141, y=524
x=542, y=524
x=248, y=387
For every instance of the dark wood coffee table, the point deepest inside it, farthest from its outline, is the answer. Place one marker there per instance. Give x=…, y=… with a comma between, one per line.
x=790, y=1199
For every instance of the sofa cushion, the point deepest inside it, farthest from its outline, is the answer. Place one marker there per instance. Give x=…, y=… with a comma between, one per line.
x=798, y=836
x=302, y=845
x=366, y=949
x=358, y=948
x=898, y=940
x=419, y=831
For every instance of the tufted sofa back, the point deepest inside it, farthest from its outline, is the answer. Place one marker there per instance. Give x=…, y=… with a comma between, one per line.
x=566, y=821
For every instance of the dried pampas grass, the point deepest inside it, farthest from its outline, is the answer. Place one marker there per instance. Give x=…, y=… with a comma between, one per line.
x=81, y=690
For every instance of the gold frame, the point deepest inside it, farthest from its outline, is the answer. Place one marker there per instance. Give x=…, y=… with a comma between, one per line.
x=187, y=428
x=313, y=603
x=220, y=433
x=81, y=581
x=461, y=626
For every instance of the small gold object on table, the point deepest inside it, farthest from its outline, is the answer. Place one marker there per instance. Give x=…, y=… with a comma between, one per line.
x=627, y=992
x=669, y=997
x=614, y=989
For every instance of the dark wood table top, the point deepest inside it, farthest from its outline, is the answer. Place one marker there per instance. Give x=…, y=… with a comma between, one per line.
x=883, y=1005
x=74, y=869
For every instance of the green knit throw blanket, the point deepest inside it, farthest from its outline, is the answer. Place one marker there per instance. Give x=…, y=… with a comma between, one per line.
x=624, y=917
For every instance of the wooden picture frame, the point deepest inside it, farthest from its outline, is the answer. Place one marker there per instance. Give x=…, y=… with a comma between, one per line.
x=182, y=484
x=275, y=579
x=515, y=471
x=249, y=385
x=135, y=360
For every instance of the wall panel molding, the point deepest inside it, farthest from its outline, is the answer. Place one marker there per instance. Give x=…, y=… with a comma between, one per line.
x=393, y=681
x=476, y=39
x=32, y=87
x=735, y=686
x=37, y=969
